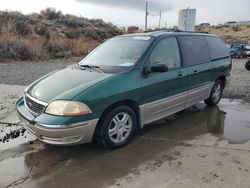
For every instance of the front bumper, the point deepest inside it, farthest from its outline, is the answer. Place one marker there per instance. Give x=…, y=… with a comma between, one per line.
x=70, y=134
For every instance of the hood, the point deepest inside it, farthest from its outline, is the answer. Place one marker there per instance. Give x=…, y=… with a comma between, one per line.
x=64, y=84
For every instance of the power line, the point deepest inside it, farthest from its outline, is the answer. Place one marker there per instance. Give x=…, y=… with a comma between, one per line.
x=160, y=19
x=153, y=14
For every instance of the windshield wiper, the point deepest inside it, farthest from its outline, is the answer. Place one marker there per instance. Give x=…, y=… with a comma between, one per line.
x=97, y=68
x=77, y=65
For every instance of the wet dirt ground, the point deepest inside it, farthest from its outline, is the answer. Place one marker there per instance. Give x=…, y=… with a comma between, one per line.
x=198, y=147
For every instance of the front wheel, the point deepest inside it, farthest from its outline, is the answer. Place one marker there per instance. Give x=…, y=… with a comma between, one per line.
x=216, y=94
x=117, y=127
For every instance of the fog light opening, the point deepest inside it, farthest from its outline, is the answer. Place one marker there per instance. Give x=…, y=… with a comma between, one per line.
x=71, y=138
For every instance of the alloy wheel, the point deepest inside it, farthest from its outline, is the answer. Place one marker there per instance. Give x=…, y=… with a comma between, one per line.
x=120, y=127
x=217, y=93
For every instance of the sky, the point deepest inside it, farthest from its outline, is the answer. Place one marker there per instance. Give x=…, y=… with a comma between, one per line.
x=132, y=12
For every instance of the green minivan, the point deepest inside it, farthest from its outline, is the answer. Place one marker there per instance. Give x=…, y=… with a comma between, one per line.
x=125, y=83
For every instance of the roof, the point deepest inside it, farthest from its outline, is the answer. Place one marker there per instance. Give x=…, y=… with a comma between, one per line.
x=168, y=33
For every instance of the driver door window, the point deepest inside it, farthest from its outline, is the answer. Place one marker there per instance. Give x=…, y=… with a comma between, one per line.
x=166, y=52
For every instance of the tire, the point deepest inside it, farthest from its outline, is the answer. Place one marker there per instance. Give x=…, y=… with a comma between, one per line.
x=216, y=94
x=247, y=65
x=114, y=132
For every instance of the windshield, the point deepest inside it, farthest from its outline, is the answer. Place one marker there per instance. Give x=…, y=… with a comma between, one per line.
x=236, y=46
x=118, y=52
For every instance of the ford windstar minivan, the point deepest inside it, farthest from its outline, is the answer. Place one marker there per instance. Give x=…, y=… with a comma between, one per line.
x=125, y=83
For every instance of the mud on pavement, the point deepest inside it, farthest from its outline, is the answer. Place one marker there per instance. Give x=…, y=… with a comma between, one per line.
x=198, y=147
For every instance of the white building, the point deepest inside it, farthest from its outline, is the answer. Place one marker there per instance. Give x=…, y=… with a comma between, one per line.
x=186, y=21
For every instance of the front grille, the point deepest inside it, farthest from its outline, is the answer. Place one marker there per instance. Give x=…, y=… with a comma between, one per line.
x=33, y=106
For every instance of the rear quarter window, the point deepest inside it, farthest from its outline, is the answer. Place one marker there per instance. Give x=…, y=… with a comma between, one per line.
x=194, y=50
x=217, y=47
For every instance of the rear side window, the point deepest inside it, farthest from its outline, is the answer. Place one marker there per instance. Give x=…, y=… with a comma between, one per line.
x=217, y=47
x=194, y=50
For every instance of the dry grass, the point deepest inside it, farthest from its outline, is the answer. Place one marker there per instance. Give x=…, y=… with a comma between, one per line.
x=232, y=34
x=59, y=46
x=35, y=47
x=50, y=34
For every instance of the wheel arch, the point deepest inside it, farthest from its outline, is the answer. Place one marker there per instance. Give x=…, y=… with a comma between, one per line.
x=222, y=78
x=130, y=103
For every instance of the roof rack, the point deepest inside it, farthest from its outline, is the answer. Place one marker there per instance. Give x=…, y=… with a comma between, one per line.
x=191, y=31
x=174, y=30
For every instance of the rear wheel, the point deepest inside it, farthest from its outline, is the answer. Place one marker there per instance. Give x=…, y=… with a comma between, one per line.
x=117, y=127
x=216, y=94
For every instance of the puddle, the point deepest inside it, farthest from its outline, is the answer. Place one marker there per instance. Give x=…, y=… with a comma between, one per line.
x=98, y=167
x=236, y=122
x=228, y=120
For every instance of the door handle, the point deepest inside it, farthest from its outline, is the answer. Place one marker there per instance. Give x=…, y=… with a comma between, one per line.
x=195, y=72
x=181, y=75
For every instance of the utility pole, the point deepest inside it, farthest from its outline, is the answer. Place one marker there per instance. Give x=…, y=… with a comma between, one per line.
x=146, y=17
x=160, y=20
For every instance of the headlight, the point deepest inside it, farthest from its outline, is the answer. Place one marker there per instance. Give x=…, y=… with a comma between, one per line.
x=67, y=108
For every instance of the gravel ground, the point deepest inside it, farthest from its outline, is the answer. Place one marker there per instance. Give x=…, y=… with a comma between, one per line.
x=23, y=73
x=239, y=86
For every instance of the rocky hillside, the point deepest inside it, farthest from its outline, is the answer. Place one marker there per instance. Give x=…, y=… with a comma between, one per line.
x=50, y=34
x=231, y=34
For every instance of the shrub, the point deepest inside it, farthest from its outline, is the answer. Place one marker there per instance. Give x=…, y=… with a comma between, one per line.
x=12, y=46
x=80, y=47
x=72, y=23
x=230, y=39
x=57, y=47
x=89, y=32
x=102, y=33
x=236, y=28
x=50, y=34
x=74, y=34
x=17, y=50
x=51, y=14
x=218, y=27
x=133, y=29
x=198, y=28
x=42, y=30
x=22, y=28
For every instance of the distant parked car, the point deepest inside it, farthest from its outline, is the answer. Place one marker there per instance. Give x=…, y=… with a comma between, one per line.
x=238, y=51
x=248, y=51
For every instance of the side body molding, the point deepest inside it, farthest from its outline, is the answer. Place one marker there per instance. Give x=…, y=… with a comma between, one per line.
x=156, y=110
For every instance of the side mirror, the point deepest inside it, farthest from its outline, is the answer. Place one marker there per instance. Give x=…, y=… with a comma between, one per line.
x=157, y=67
